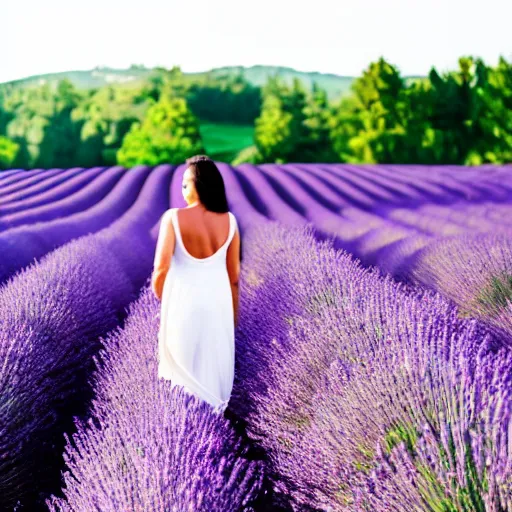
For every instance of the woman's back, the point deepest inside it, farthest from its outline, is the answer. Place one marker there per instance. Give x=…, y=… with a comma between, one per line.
x=203, y=232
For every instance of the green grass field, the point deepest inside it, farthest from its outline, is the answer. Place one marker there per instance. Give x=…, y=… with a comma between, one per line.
x=223, y=142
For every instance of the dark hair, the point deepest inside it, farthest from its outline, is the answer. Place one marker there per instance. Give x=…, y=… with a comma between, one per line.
x=209, y=183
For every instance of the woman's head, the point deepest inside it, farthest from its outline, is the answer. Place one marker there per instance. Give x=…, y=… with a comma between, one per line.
x=203, y=182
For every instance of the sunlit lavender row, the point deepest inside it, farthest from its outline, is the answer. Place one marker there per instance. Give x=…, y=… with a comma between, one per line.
x=51, y=315
x=147, y=447
x=367, y=396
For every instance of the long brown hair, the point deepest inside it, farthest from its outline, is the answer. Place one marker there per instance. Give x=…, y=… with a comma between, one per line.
x=209, y=183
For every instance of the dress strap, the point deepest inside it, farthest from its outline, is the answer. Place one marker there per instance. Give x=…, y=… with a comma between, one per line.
x=173, y=221
x=172, y=215
x=176, y=226
x=232, y=226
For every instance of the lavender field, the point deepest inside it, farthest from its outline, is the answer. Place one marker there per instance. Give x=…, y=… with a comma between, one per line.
x=373, y=351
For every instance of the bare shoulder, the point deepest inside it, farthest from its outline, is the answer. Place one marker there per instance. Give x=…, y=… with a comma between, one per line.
x=166, y=216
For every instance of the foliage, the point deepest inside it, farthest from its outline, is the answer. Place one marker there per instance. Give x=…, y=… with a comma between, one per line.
x=273, y=130
x=168, y=134
x=105, y=117
x=462, y=117
x=248, y=155
x=293, y=126
x=8, y=152
x=42, y=126
x=498, y=293
x=317, y=146
x=233, y=100
x=369, y=125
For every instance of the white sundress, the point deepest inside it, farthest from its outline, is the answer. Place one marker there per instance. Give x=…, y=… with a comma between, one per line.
x=196, y=338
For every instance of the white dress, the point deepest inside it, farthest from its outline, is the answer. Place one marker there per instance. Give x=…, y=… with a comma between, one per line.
x=196, y=338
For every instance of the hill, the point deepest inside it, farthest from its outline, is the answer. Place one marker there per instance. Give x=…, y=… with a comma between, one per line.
x=335, y=85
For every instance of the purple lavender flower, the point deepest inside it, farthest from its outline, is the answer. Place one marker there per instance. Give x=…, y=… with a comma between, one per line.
x=369, y=396
x=149, y=446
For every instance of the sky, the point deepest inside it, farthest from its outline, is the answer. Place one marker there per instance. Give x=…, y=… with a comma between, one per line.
x=328, y=36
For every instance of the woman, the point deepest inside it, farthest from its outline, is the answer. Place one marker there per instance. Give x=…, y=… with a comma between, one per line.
x=196, y=270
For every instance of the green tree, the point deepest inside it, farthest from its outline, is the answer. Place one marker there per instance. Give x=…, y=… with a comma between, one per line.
x=492, y=114
x=295, y=102
x=273, y=131
x=31, y=109
x=162, y=82
x=8, y=152
x=168, y=134
x=369, y=126
x=462, y=117
x=422, y=140
x=67, y=96
x=5, y=116
x=105, y=117
x=39, y=121
x=61, y=138
x=317, y=145
x=280, y=130
x=228, y=99
x=451, y=128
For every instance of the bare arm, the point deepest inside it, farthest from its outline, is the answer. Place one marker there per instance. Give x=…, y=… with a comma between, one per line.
x=233, y=267
x=163, y=254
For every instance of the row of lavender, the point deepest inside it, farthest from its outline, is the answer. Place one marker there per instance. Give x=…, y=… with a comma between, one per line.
x=447, y=229
x=52, y=314
x=75, y=277
x=383, y=215
x=147, y=447
x=368, y=396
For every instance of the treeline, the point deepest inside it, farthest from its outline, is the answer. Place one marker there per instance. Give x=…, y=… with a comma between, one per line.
x=460, y=117
x=65, y=127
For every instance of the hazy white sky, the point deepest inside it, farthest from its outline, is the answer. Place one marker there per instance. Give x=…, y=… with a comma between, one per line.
x=332, y=36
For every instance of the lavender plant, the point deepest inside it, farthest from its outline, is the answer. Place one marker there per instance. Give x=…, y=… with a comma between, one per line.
x=75, y=195
x=366, y=394
x=29, y=179
x=51, y=315
x=58, y=180
x=148, y=446
x=473, y=270
x=380, y=398
x=20, y=245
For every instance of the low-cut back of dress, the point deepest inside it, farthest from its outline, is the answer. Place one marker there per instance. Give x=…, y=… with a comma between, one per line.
x=196, y=338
